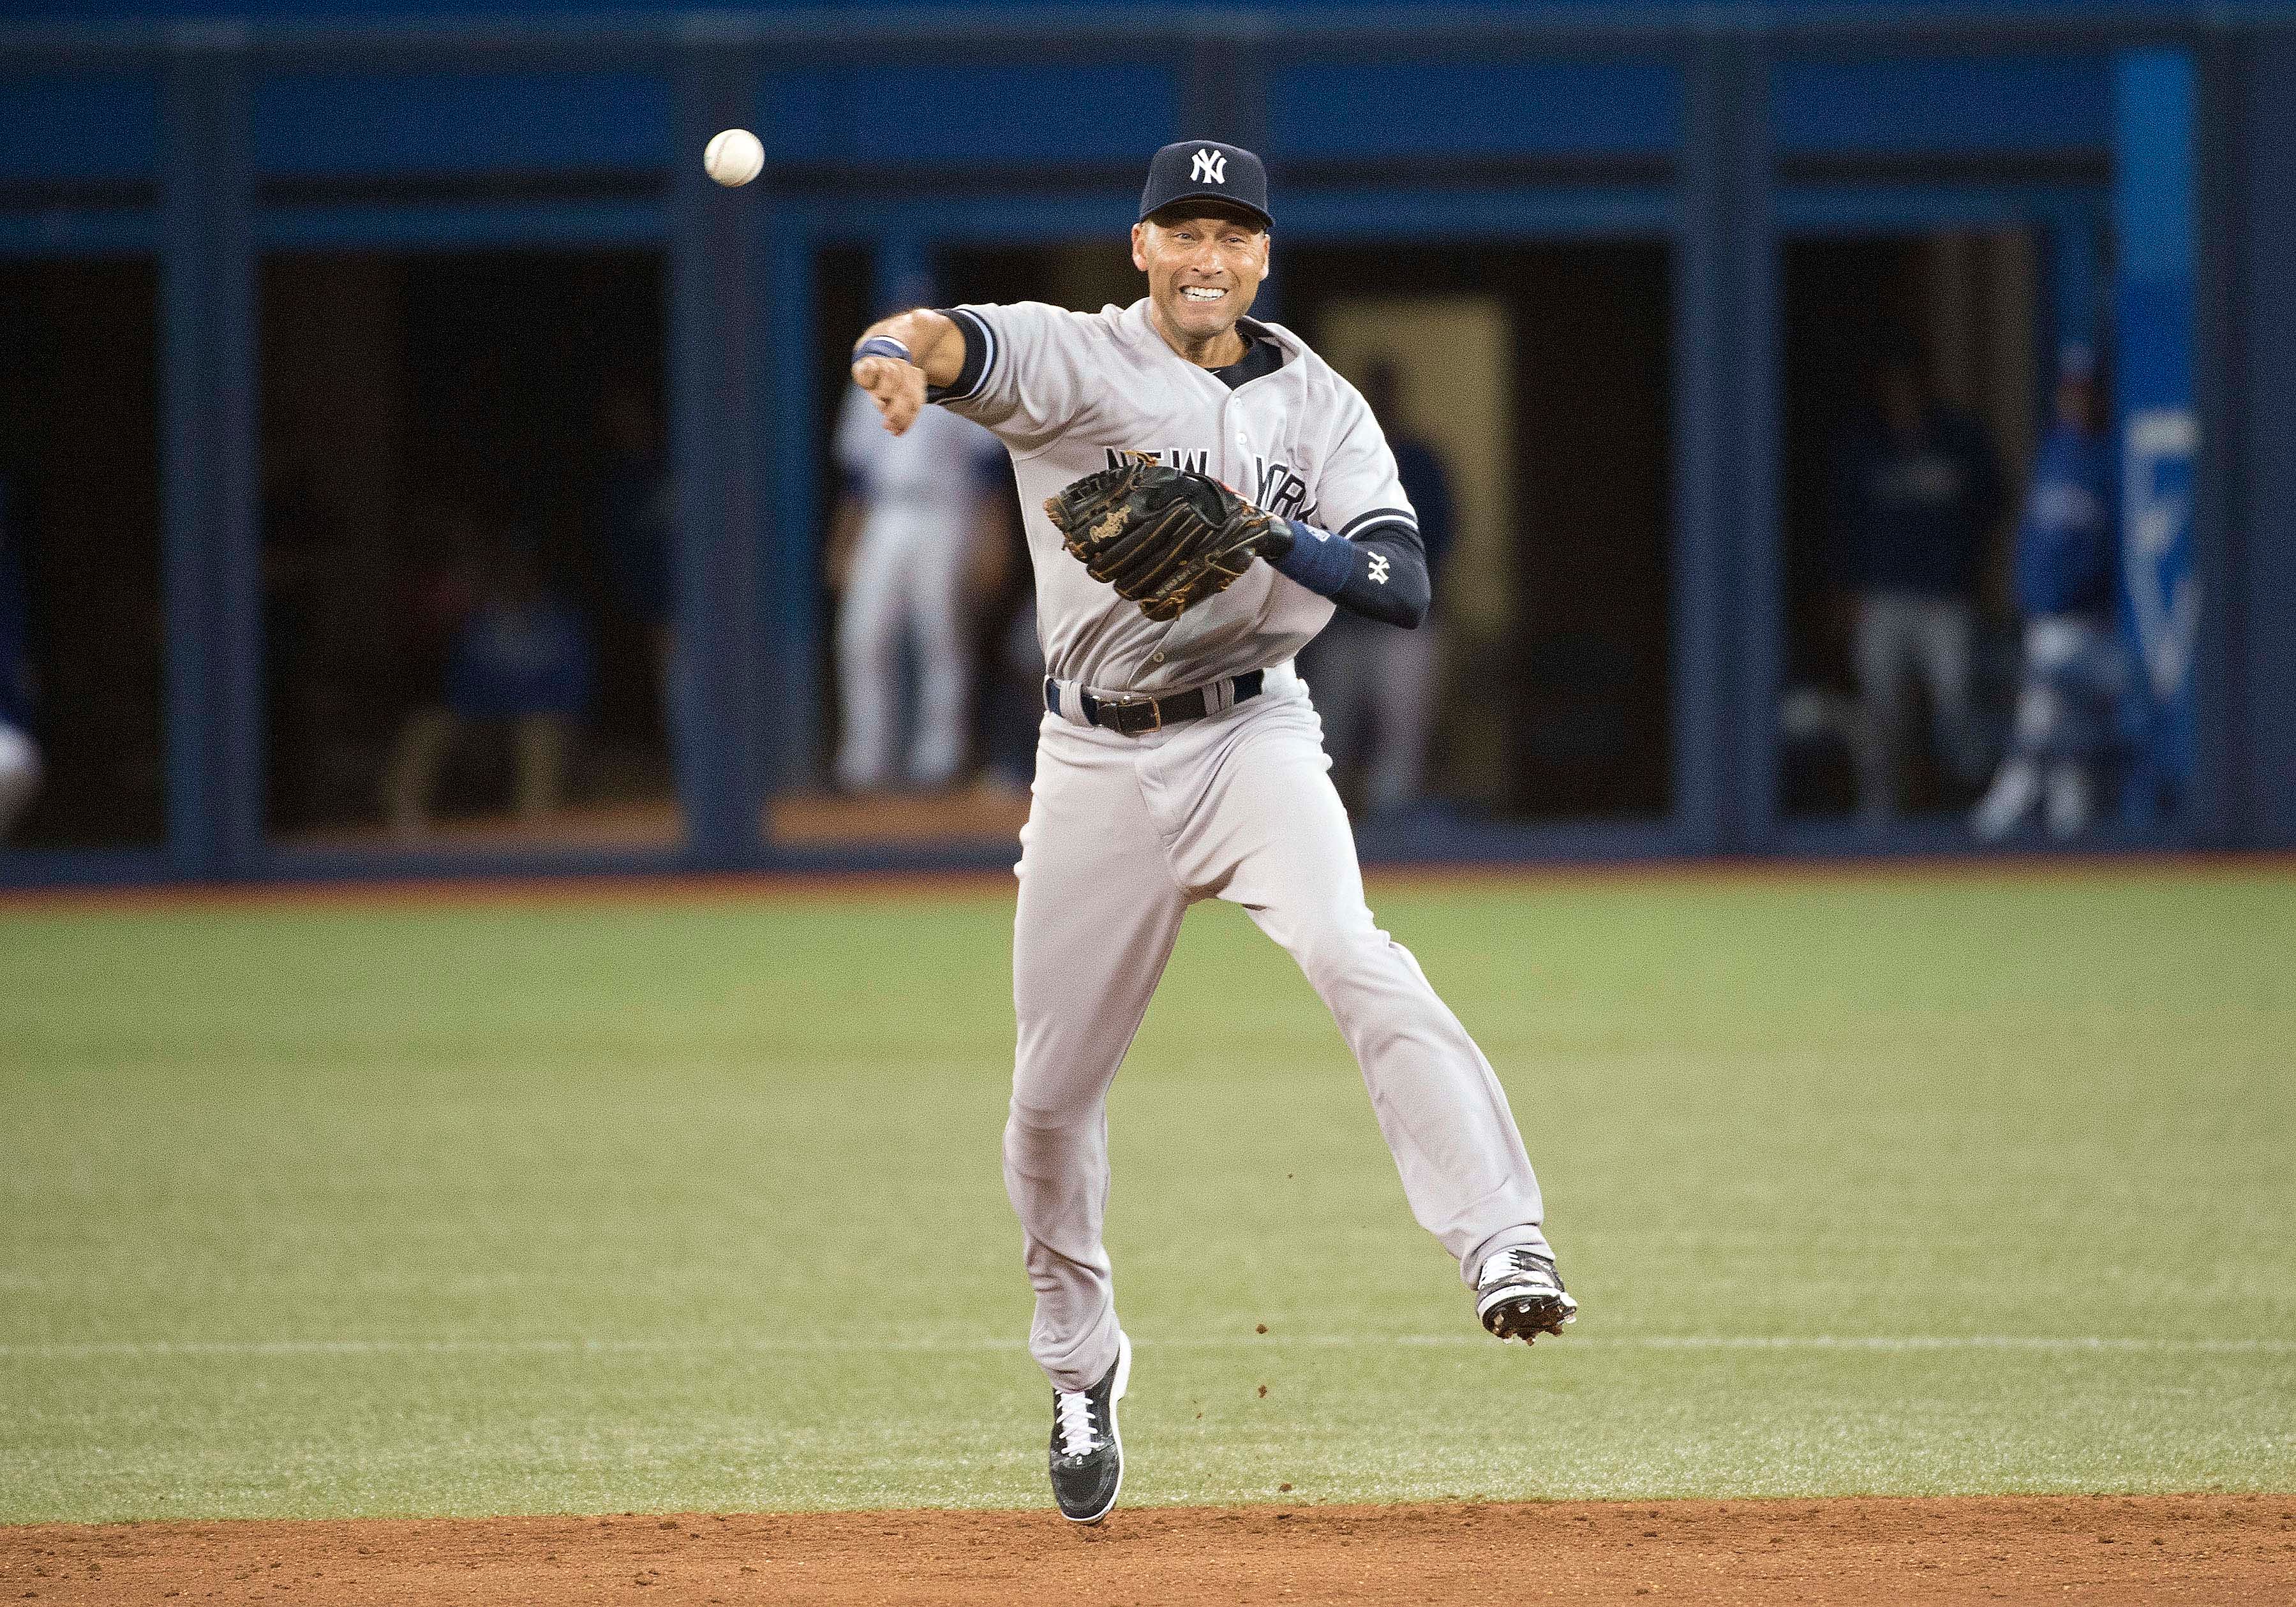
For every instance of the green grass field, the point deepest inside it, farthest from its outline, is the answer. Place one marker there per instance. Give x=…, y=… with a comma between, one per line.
x=1900, y=1184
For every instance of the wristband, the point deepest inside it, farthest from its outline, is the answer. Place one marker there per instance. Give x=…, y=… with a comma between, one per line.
x=884, y=346
x=1317, y=560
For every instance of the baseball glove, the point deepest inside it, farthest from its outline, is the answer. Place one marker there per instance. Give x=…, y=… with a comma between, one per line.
x=1166, y=538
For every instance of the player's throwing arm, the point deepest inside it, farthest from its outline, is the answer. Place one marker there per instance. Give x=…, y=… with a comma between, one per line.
x=900, y=356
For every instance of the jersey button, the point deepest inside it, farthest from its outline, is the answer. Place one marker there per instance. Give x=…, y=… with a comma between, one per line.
x=1155, y=657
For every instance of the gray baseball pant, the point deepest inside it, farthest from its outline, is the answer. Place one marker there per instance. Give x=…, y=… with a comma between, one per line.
x=1124, y=833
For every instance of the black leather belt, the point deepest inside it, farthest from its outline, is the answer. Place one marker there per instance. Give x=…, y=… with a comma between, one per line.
x=1135, y=715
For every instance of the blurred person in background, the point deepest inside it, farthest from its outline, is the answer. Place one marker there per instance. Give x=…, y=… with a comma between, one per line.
x=1013, y=695
x=634, y=524
x=1374, y=686
x=305, y=697
x=1017, y=691
x=905, y=540
x=521, y=662
x=20, y=757
x=446, y=547
x=2065, y=597
x=1916, y=493
x=636, y=515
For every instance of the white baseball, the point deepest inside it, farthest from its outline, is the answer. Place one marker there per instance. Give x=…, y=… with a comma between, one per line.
x=734, y=157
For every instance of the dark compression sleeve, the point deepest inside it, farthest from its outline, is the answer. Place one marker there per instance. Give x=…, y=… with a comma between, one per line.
x=1380, y=572
x=980, y=348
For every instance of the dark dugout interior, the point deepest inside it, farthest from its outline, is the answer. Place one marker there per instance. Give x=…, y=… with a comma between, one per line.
x=79, y=473
x=423, y=415
x=1962, y=305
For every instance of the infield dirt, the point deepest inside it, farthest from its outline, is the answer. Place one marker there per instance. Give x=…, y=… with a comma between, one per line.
x=2085, y=1549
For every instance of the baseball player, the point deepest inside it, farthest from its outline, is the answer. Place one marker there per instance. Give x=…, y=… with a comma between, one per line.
x=2066, y=556
x=916, y=505
x=1179, y=758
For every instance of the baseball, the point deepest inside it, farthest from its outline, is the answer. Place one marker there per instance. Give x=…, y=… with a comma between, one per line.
x=734, y=157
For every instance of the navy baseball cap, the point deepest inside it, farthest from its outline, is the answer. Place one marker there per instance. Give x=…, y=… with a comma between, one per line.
x=1207, y=171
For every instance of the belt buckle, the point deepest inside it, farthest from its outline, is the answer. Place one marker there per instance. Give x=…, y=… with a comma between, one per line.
x=1154, y=707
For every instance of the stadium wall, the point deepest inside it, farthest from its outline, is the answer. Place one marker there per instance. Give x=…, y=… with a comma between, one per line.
x=202, y=138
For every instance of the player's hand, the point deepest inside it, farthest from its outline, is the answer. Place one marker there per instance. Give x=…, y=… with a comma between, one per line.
x=898, y=387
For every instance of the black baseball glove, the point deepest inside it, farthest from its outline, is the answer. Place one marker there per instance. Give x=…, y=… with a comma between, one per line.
x=1166, y=538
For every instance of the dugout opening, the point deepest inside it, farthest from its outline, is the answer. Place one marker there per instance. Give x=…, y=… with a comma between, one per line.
x=1954, y=315
x=82, y=642
x=468, y=533
x=1539, y=373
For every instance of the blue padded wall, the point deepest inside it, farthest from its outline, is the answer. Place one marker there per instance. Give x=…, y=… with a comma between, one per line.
x=93, y=129
x=315, y=124
x=1389, y=109
x=1989, y=104
x=1018, y=117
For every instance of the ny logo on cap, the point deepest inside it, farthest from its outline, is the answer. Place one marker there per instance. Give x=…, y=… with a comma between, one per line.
x=1210, y=165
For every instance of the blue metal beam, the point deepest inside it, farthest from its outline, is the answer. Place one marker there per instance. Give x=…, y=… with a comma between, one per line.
x=1224, y=84
x=901, y=268
x=715, y=716
x=2076, y=277
x=791, y=413
x=2246, y=517
x=211, y=554
x=1756, y=530
x=2265, y=405
x=1605, y=212
x=2219, y=536
x=1725, y=582
x=2172, y=568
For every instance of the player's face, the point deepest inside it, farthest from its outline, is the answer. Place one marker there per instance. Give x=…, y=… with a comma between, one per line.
x=1202, y=272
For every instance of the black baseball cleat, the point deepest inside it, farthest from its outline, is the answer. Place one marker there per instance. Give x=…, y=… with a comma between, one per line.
x=1087, y=1460
x=1519, y=1296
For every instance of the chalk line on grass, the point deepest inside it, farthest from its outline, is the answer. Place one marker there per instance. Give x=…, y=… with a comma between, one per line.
x=87, y=1349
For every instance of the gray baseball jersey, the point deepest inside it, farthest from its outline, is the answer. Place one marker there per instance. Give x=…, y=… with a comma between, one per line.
x=1125, y=832
x=1068, y=392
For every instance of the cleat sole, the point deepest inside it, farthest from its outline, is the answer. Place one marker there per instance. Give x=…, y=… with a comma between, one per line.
x=1528, y=1317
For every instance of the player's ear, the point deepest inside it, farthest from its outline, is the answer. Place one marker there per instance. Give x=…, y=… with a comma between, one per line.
x=1140, y=244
